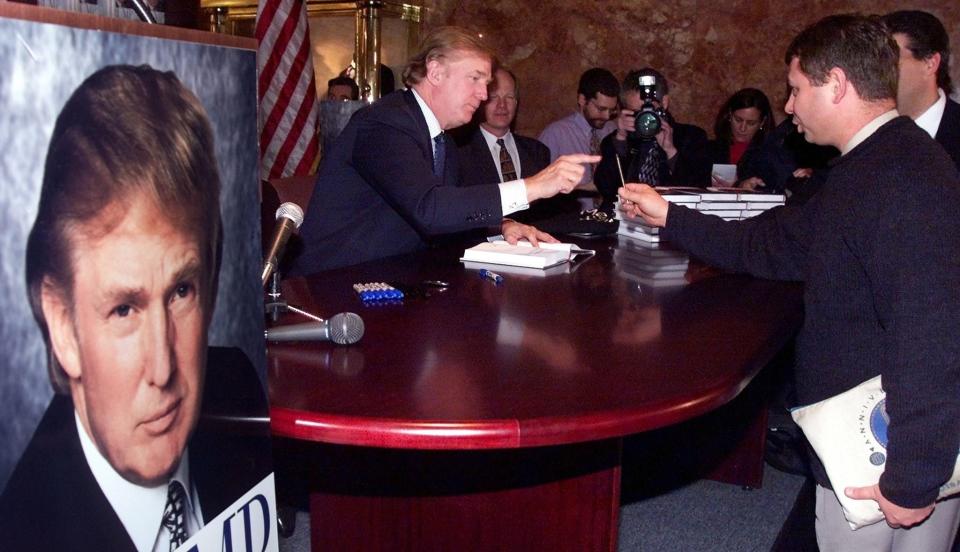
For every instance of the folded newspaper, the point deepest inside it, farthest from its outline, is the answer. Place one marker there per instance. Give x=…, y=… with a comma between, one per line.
x=523, y=254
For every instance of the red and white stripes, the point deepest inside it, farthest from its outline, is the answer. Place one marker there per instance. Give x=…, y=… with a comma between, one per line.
x=288, y=114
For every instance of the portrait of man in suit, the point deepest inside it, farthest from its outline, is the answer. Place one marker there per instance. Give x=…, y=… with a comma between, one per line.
x=122, y=267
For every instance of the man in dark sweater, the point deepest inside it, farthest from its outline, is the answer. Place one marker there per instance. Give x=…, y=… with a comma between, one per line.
x=878, y=250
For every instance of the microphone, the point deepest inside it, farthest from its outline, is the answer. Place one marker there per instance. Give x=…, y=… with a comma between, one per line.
x=345, y=328
x=289, y=218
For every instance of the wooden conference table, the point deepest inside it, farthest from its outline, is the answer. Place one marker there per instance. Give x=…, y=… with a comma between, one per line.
x=492, y=417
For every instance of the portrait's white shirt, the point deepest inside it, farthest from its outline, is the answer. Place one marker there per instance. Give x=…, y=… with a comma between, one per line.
x=140, y=509
x=930, y=119
x=513, y=194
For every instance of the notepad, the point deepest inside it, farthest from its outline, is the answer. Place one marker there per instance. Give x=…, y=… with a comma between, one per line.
x=523, y=254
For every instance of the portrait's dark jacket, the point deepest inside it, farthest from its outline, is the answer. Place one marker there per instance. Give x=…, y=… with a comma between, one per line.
x=691, y=167
x=376, y=194
x=52, y=500
x=948, y=134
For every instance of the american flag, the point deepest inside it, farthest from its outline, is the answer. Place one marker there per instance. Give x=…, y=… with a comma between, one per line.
x=288, y=97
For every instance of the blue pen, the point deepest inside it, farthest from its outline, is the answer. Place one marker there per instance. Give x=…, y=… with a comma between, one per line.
x=492, y=276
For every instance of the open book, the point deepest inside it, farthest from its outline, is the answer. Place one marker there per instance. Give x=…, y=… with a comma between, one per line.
x=523, y=254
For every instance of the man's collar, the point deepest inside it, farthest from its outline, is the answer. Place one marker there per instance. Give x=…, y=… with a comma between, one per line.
x=139, y=509
x=868, y=129
x=433, y=124
x=930, y=119
x=485, y=131
x=491, y=138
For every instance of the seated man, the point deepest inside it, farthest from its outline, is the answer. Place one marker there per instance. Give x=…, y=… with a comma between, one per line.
x=493, y=153
x=678, y=155
x=342, y=89
x=391, y=183
x=924, y=82
x=122, y=265
x=582, y=130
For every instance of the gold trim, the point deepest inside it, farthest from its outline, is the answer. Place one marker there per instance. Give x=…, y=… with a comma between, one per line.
x=246, y=9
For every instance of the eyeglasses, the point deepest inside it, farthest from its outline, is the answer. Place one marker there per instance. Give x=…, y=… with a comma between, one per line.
x=508, y=98
x=601, y=109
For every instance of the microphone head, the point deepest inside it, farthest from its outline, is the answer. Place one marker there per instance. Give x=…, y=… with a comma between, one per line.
x=346, y=328
x=291, y=211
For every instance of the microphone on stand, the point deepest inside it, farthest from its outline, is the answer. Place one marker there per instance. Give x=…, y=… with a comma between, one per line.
x=289, y=218
x=345, y=328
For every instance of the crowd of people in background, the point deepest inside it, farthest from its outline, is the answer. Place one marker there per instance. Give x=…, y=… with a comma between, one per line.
x=394, y=183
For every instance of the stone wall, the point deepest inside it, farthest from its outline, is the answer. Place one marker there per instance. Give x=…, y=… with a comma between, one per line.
x=707, y=49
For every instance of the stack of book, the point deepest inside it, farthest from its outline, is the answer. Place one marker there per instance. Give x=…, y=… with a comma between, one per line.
x=650, y=264
x=727, y=203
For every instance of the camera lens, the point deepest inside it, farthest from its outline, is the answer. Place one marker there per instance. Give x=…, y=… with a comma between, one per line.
x=647, y=123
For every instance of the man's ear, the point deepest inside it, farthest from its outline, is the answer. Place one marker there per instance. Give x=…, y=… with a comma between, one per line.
x=932, y=63
x=838, y=83
x=435, y=71
x=665, y=102
x=63, y=336
x=581, y=100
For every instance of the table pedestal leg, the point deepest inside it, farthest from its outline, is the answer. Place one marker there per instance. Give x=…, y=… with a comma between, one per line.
x=548, y=498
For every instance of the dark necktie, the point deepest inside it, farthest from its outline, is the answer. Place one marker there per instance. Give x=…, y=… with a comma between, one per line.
x=174, y=514
x=507, y=169
x=650, y=168
x=439, y=151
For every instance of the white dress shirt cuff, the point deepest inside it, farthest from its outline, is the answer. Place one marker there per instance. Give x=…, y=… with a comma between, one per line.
x=513, y=196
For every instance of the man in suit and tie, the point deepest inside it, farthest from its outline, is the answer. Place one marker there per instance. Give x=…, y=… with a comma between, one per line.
x=924, y=86
x=122, y=265
x=390, y=183
x=494, y=153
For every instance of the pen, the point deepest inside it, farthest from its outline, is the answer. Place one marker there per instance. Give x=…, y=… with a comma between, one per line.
x=492, y=276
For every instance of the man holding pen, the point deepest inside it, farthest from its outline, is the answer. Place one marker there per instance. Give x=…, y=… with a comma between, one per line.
x=877, y=249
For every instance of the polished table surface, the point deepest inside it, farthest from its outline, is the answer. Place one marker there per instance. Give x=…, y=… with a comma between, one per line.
x=575, y=353
x=492, y=417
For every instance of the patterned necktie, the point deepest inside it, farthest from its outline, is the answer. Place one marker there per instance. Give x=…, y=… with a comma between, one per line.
x=174, y=514
x=439, y=151
x=595, y=141
x=507, y=169
x=650, y=168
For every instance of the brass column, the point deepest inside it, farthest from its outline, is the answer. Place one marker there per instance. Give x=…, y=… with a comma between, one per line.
x=368, y=49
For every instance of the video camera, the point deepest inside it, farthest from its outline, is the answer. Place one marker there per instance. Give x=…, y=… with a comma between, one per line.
x=648, y=120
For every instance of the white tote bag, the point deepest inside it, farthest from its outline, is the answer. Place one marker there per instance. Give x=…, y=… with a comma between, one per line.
x=849, y=434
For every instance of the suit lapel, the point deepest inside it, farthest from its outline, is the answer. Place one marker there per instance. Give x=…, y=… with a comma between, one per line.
x=423, y=132
x=488, y=167
x=526, y=158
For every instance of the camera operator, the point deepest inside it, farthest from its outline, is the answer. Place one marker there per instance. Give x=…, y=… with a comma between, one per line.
x=653, y=147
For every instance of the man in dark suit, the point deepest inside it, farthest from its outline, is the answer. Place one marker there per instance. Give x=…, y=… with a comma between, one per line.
x=924, y=84
x=122, y=265
x=391, y=181
x=494, y=153
x=678, y=155
x=53, y=500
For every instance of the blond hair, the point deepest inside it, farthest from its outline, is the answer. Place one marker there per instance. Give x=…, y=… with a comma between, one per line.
x=441, y=43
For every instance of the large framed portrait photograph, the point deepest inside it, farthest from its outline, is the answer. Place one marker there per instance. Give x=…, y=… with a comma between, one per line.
x=133, y=384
